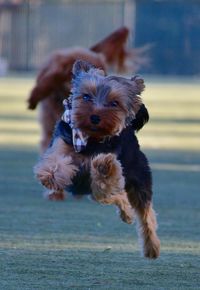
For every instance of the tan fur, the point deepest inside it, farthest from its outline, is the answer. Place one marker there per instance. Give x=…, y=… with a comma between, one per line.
x=56, y=169
x=108, y=184
x=137, y=104
x=147, y=232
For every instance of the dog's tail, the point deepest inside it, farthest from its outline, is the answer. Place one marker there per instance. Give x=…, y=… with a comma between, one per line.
x=117, y=55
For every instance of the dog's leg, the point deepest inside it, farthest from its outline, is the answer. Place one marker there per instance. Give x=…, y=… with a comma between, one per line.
x=56, y=169
x=45, y=141
x=49, y=114
x=107, y=184
x=147, y=226
x=121, y=201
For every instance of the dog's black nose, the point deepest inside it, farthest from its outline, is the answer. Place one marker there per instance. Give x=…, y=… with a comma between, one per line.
x=95, y=119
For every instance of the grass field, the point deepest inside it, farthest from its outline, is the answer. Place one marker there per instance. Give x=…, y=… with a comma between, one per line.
x=78, y=244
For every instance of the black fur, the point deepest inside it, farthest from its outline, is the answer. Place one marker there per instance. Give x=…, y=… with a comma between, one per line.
x=142, y=117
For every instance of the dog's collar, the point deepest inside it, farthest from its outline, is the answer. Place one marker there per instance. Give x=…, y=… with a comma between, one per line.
x=79, y=139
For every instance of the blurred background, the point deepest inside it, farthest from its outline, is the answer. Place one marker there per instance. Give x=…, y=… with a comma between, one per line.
x=30, y=30
x=78, y=244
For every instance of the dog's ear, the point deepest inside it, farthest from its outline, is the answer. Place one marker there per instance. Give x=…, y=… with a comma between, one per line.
x=135, y=101
x=81, y=65
x=84, y=66
x=139, y=109
x=138, y=84
x=141, y=118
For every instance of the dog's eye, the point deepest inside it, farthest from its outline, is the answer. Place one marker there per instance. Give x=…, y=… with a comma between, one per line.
x=87, y=98
x=113, y=104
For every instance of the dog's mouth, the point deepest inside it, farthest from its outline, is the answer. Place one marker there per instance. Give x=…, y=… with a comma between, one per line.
x=98, y=132
x=95, y=131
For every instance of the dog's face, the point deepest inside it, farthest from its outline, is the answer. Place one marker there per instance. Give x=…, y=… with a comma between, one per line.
x=103, y=105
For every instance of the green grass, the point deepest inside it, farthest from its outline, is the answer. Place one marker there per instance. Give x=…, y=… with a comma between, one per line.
x=79, y=244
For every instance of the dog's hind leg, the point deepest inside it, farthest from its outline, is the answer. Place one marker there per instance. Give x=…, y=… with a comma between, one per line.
x=49, y=114
x=147, y=226
x=107, y=184
x=55, y=170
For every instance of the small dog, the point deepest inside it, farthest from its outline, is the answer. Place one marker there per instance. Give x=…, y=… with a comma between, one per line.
x=95, y=150
x=54, y=79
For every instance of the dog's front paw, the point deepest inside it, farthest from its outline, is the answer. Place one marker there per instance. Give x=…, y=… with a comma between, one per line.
x=105, y=165
x=127, y=216
x=55, y=174
x=106, y=176
x=47, y=177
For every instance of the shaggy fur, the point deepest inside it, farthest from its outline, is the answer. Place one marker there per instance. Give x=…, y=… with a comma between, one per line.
x=54, y=79
x=111, y=166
